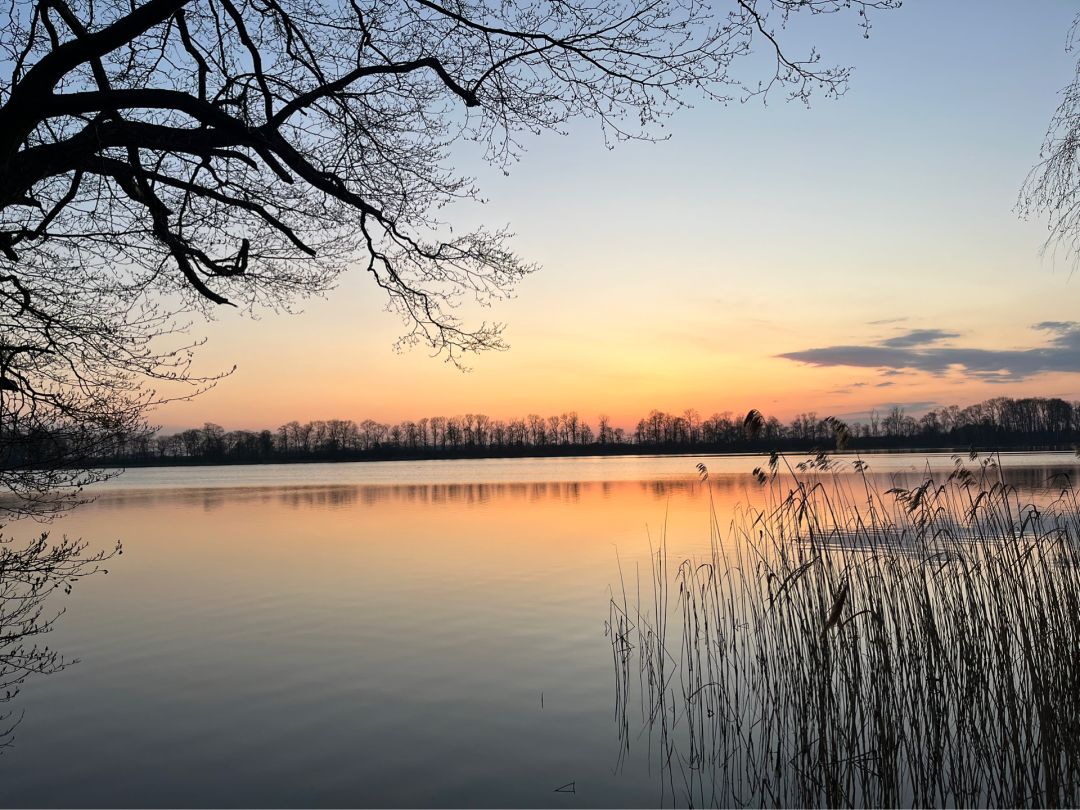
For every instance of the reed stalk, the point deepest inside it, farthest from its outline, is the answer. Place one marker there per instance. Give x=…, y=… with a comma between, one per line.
x=841, y=645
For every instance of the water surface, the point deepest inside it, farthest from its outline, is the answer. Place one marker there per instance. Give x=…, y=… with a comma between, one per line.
x=389, y=634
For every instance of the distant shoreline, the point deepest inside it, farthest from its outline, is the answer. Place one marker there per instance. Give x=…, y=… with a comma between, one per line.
x=1029, y=424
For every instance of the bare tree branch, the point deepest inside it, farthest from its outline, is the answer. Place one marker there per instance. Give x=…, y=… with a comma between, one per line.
x=161, y=158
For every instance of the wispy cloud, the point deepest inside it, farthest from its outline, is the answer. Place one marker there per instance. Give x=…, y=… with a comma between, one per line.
x=918, y=337
x=918, y=350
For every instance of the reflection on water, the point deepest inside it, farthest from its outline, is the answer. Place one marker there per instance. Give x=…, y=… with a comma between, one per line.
x=351, y=635
x=336, y=496
x=33, y=577
x=849, y=648
x=1036, y=480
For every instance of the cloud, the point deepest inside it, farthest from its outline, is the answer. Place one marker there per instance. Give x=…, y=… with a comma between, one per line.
x=918, y=337
x=849, y=388
x=1057, y=326
x=917, y=351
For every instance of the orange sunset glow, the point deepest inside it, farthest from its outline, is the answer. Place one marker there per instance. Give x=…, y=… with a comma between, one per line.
x=670, y=279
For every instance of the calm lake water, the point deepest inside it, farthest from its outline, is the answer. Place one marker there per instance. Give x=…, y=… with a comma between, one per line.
x=387, y=634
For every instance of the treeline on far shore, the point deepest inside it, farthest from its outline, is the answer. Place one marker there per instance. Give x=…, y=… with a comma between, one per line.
x=1001, y=423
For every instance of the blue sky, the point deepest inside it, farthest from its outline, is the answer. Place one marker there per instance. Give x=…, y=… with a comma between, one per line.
x=700, y=271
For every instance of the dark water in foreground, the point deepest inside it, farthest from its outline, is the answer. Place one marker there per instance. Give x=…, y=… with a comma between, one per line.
x=393, y=634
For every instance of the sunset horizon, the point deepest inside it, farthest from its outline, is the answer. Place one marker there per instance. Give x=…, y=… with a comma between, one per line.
x=701, y=270
x=470, y=403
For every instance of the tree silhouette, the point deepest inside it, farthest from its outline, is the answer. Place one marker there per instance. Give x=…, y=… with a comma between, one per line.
x=1052, y=188
x=159, y=159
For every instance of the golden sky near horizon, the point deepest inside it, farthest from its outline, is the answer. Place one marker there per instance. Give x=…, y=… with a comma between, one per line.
x=879, y=227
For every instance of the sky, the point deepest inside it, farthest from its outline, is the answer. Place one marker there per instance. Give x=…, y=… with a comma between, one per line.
x=847, y=256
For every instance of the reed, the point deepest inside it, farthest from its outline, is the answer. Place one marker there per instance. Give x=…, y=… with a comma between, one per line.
x=841, y=645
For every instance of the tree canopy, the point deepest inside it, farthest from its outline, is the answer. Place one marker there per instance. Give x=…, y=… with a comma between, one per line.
x=163, y=158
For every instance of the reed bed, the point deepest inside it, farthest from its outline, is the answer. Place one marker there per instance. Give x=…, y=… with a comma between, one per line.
x=841, y=645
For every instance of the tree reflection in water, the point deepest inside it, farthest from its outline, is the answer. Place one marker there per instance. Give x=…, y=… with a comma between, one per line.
x=30, y=578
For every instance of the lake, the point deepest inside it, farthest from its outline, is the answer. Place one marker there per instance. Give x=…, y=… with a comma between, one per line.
x=379, y=634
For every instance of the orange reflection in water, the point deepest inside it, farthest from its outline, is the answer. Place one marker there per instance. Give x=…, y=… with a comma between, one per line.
x=436, y=524
x=406, y=550
x=399, y=637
